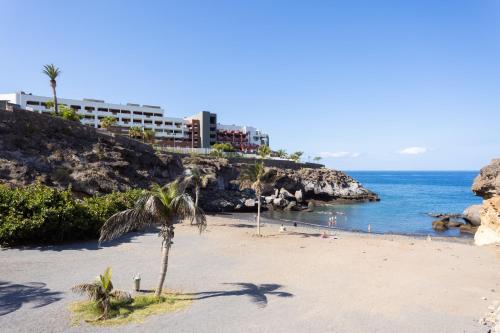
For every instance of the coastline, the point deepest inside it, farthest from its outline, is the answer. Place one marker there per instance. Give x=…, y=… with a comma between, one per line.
x=310, y=227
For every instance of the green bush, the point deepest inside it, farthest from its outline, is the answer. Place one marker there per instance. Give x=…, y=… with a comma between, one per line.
x=38, y=214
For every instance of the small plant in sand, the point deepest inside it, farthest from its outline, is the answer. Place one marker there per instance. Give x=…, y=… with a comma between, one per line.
x=101, y=293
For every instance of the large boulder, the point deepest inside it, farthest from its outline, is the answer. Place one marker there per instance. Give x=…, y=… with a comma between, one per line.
x=489, y=230
x=472, y=214
x=487, y=185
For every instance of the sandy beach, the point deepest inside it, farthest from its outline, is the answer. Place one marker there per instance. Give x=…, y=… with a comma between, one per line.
x=294, y=281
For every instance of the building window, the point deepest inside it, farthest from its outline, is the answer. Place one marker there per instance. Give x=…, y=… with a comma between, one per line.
x=137, y=121
x=138, y=113
x=125, y=111
x=32, y=103
x=168, y=123
x=76, y=107
x=102, y=109
x=89, y=108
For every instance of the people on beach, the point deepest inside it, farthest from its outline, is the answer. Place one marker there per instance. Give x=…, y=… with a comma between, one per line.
x=332, y=221
x=282, y=228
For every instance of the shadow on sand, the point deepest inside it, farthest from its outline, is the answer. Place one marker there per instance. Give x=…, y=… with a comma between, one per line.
x=91, y=244
x=257, y=293
x=13, y=296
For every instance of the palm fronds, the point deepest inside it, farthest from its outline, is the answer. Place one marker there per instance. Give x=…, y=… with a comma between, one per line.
x=51, y=71
x=92, y=290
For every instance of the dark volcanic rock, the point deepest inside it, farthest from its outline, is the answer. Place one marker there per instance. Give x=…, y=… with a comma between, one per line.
x=57, y=152
x=61, y=153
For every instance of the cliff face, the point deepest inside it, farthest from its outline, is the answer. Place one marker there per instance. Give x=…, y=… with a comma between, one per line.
x=62, y=153
x=487, y=185
x=59, y=153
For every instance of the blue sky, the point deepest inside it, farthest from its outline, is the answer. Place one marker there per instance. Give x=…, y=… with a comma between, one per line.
x=369, y=85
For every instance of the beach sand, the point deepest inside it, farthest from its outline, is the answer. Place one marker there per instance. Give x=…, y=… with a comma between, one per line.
x=294, y=281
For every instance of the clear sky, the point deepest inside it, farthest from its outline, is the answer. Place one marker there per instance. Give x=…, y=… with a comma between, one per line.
x=367, y=84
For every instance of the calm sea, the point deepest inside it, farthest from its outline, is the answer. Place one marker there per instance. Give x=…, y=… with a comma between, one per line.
x=406, y=198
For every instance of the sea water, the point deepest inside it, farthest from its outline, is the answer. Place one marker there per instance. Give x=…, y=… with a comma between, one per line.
x=406, y=199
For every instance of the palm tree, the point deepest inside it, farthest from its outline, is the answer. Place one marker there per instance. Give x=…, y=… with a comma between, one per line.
x=163, y=206
x=281, y=153
x=108, y=121
x=101, y=291
x=149, y=135
x=52, y=72
x=264, y=151
x=317, y=158
x=296, y=156
x=196, y=177
x=135, y=132
x=253, y=176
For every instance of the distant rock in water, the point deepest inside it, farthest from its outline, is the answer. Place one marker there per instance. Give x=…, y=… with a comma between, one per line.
x=59, y=153
x=487, y=185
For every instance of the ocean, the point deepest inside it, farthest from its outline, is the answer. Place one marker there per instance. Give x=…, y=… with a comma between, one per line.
x=406, y=198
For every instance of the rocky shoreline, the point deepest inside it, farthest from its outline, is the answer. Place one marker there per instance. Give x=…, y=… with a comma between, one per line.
x=59, y=153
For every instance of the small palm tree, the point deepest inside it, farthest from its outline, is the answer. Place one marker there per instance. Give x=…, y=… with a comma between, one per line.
x=52, y=72
x=253, y=176
x=101, y=291
x=199, y=180
x=264, y=151
x=163, y=206
x=149, y=135
x=108, y=121
x=296, y=156
x=135, y=132
x=281, y=153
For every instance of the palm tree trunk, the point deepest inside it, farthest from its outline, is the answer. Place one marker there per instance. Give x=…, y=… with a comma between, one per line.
x=197, y=195
x=56, y=107
x=164, y=264
x=258, y=213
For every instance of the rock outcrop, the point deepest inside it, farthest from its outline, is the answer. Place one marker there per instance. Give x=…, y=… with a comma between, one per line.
x=487, y=185
x=60, y=153
x=285, y=189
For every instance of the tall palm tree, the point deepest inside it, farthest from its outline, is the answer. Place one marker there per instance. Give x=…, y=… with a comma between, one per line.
x=253, y=176
x=53, y=72
x=163, y=206
x=101, y=291
x=198, y=179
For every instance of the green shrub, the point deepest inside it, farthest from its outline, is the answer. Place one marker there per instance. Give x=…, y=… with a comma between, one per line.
x=38, y=214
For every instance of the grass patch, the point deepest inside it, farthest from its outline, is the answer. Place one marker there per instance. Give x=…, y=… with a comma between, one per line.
x=141, y=307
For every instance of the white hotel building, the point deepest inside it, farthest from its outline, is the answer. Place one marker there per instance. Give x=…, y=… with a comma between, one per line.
x=200, y=130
